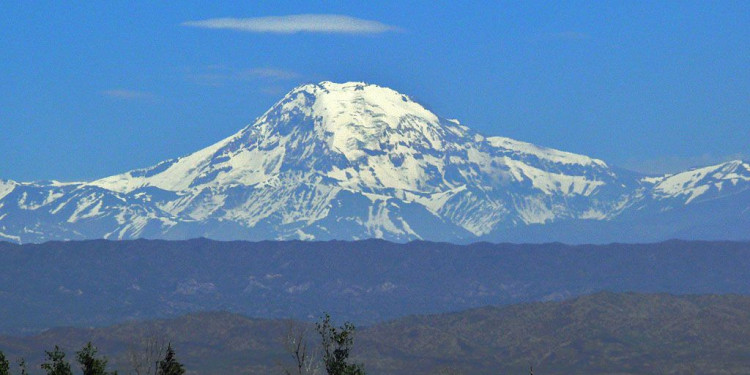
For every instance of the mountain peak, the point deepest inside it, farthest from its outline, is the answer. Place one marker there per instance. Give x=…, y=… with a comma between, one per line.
x=355, y=160
x=336, y=99
x=356, y=133
x=365, y=137
x=332, y=87
x=354, y=117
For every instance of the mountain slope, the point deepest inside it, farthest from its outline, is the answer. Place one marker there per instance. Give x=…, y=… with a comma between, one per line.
x=350, y=161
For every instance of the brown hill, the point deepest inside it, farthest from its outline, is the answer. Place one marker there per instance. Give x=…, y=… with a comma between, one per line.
x=605, y=333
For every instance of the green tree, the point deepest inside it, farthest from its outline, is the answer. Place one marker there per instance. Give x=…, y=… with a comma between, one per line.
x=90, y=365
x=22, y=366
x=169, y=365
x=4, y=365
x=56, y=363
x=337, y=344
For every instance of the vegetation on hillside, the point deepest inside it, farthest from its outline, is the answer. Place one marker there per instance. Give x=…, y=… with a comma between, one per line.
x=374, y=281
x=335, y=348
x=604, y=333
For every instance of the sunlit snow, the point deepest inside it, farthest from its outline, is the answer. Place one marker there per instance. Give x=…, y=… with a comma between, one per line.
x=352, y=155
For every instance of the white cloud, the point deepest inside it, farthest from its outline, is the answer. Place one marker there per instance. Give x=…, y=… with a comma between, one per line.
x=267, y=73
x=220, y=75
x=310, y=23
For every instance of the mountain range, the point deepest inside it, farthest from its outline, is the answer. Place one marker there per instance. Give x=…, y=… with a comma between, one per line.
x=353, y=161
x=101, y=282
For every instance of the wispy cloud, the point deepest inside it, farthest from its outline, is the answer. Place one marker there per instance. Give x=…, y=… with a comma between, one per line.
x=220, y=75
x=267, y=73
x=125, y=94
x=301, y=23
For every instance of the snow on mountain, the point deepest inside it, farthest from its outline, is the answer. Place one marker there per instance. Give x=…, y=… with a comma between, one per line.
x=349, y=161
x=351, y=123
x=6, y=186
x=548, y=154
x=694, y=183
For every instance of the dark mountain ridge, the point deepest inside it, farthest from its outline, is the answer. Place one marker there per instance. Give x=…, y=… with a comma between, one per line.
x=99, y=282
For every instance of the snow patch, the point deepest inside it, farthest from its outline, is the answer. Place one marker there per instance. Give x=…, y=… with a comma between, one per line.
x=10, y=237
x=550, y=154
x=6, y=187
x=698, y=181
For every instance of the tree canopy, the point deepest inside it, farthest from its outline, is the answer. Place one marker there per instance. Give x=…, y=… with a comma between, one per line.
x=337, y=344
x=169, y=365
x=56, y=363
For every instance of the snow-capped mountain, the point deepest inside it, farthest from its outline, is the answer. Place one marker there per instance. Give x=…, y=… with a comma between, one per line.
x=352, y=161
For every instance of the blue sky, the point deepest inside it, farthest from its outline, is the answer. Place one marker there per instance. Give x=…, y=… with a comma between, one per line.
x=90, y=90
